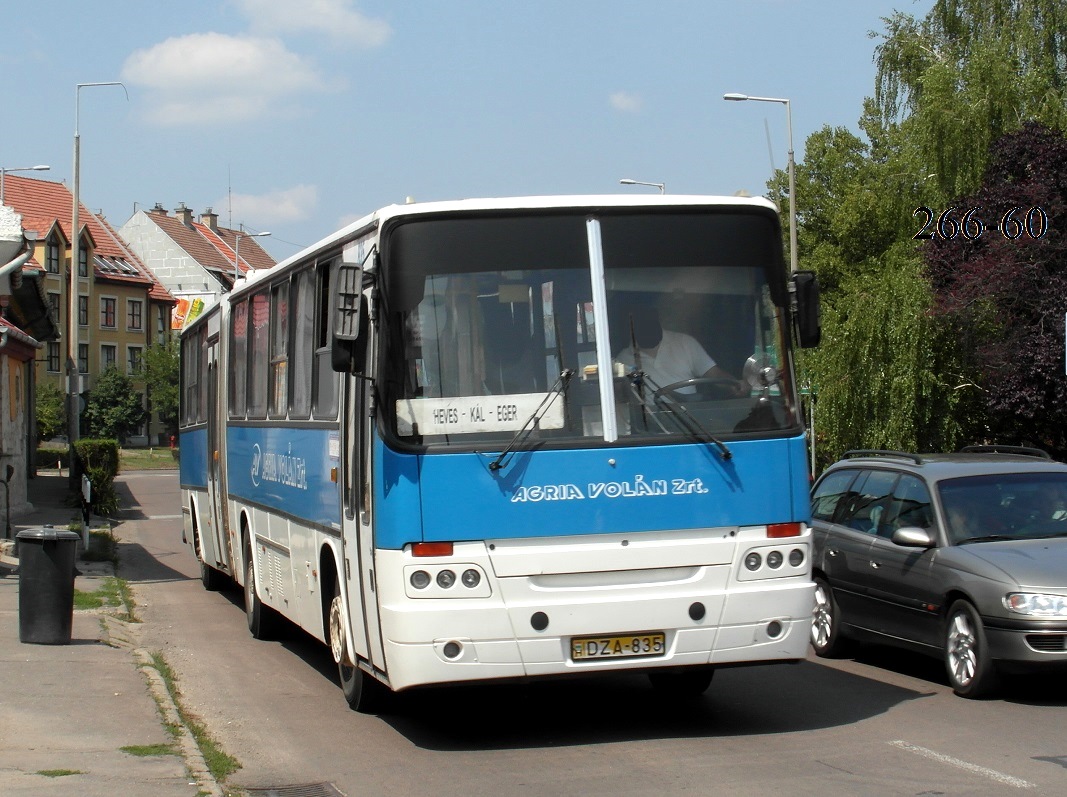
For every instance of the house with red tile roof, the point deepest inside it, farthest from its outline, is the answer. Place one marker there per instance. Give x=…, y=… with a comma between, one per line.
x=17, y=353
x=121, y=308
x=193, y=259
x=22, y=306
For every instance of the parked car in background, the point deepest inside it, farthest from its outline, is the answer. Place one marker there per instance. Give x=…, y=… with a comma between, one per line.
x=961, y=556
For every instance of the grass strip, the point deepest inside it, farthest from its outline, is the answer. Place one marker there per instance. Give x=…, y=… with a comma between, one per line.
x=219, y=763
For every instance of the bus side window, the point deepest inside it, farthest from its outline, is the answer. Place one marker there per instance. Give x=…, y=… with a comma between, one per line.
x=260, y=350
x=239, y=360
x=279, y=349
x=324, y=390
x=202, y=368
x=302, y=345
x=190, y=372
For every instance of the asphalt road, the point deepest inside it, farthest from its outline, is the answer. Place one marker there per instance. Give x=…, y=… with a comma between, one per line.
x=884, y=723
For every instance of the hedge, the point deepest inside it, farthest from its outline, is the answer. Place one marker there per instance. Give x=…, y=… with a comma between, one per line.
x=99, y=460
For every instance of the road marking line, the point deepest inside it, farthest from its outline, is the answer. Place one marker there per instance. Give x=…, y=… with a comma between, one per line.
x=992, y=774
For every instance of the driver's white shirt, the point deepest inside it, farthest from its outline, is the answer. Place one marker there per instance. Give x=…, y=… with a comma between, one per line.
x=677, y=358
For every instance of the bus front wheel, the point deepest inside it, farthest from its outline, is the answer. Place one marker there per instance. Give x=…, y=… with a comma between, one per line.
x=209, y=576
x=363, y=692
x=261, y=619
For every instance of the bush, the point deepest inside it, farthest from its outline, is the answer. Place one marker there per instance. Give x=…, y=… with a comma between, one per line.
x=99, y=460
x=48, y=457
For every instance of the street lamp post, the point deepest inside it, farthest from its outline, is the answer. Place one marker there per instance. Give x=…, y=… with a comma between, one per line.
x=628, y=181
x=237, y=252
x=73, y=408
x=4, y=170
x=792, y=171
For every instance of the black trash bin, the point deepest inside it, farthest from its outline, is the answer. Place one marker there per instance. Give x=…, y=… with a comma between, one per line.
x=46, y=584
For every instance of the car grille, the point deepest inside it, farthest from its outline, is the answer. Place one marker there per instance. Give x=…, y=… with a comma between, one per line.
x=1047, y=643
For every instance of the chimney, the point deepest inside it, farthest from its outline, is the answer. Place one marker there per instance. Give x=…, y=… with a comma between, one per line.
x=210, y=220
x=183, y=214
x=158, y=209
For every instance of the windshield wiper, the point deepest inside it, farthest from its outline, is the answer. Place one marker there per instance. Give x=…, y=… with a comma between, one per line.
x=685, y=418
x=531, y=423
x=689, y=423
x=988, y=538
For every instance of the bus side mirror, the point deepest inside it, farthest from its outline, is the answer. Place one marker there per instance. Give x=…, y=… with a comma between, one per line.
x=348, y=319
x=808, y=313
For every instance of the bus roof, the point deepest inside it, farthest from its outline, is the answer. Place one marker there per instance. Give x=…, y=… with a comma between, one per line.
x=561, y=202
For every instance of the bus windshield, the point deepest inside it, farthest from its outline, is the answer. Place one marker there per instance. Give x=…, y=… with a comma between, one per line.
x=495, y=326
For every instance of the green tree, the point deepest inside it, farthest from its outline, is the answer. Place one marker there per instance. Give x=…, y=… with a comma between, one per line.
x=51, y=411
x=891, y=371
x=879, y=371
x=1005, y=291
x=965, y=75
x=161, y=364
x=113, y=408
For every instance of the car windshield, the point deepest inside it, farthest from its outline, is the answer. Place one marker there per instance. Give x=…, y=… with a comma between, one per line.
x=999, y=506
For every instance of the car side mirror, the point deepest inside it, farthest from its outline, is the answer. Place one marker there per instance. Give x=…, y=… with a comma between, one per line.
x=913, y=537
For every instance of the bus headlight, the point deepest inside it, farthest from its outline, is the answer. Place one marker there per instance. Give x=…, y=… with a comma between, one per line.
x=753, y=561
x=436, y=581
x=774, y=560
x=796, y=557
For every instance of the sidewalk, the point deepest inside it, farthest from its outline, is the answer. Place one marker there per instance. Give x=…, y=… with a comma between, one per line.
x=67, y=711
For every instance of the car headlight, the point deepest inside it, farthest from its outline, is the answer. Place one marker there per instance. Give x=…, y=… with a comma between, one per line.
x=1036, y=604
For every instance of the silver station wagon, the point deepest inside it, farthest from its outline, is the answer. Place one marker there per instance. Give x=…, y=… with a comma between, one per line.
x=960, y=556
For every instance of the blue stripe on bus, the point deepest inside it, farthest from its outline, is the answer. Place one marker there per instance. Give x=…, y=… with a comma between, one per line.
x=287, y=469
x=547, y=493
x=193, y=462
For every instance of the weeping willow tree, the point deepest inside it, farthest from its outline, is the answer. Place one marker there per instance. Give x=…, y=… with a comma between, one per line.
x=953, y=83
x=889, y=373
x=882, y=373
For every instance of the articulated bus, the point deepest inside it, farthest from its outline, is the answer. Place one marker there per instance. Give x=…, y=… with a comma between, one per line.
x=445, y=442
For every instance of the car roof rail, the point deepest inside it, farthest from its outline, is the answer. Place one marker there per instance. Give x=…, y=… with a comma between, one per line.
x=874, y=452
x=1025, y=451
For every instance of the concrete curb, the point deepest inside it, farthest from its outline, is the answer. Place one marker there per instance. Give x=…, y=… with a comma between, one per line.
x=118, y=633
x=194, y=758
x=121, y=634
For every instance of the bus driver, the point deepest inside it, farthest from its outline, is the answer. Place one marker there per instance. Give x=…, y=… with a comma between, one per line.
x=667, y=357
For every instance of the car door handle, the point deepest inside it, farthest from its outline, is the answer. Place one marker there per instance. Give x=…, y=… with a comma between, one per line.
x=876, y=565
x=832, y=552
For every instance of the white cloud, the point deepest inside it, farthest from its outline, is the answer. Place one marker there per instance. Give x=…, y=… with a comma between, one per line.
x=211, y=77
x=626, y=101
x=336, y=19
x=273, y=207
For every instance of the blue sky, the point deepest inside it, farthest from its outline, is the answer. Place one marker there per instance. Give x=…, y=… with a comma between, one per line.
x=298, y=116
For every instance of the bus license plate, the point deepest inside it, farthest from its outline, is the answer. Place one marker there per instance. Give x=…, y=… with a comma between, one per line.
x=625, y=646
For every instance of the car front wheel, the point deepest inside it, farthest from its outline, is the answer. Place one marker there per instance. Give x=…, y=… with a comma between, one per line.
x=826, y=639
x=967, y=661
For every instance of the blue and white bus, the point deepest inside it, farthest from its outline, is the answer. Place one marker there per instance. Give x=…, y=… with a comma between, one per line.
x=434, y=440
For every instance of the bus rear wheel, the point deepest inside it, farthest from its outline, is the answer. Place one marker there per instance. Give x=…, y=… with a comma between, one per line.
x=363, y=692
x=685, y=682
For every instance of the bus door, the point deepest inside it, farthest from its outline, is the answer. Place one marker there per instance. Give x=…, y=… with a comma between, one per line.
x=357, y=536
x=216, y=516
